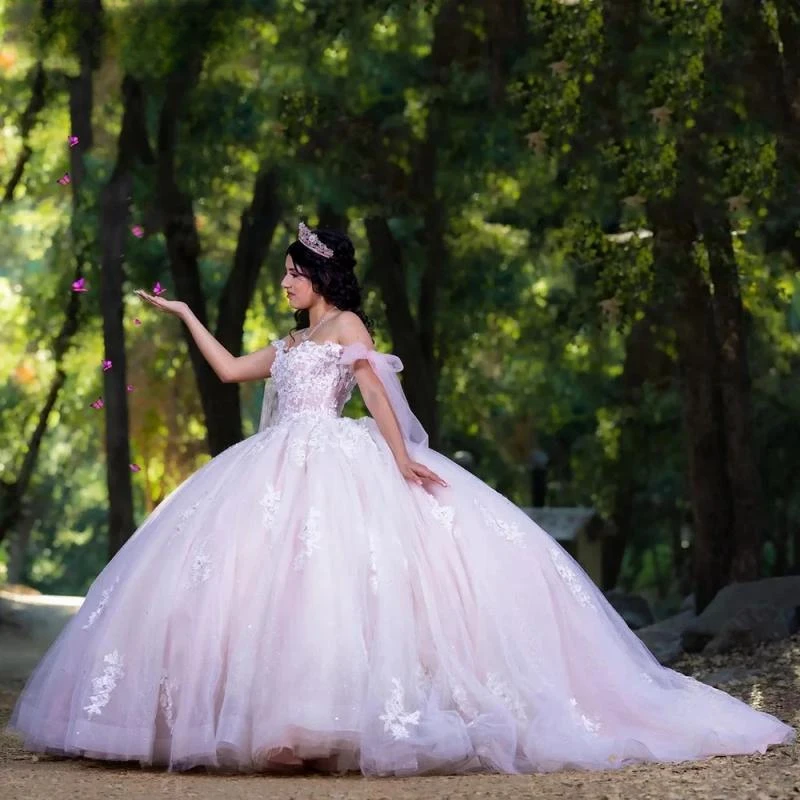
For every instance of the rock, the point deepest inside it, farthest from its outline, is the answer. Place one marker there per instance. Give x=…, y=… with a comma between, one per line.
x=780, y=595
x=633, y=608
x=688, y=603
x=753, y=625
x=663, y=639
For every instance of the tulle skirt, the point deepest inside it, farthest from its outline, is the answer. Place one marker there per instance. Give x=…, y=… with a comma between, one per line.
x=296, y=599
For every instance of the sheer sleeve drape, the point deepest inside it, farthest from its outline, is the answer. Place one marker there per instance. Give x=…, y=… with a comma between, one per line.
x=386, y=367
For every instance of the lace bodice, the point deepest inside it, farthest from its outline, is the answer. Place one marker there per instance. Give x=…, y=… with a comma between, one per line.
x=310, y=378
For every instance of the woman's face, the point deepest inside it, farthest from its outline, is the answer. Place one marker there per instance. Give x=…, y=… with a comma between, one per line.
x=299, y=291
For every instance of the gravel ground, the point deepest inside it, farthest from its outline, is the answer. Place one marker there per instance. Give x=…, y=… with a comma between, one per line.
x=767, y=678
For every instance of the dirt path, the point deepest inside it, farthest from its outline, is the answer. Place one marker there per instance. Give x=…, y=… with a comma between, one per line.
x=769, y=679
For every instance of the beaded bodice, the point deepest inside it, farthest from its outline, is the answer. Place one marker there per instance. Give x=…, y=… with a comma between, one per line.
x=309, y=378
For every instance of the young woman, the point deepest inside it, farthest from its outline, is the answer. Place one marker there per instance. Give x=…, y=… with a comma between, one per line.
x=331, y=593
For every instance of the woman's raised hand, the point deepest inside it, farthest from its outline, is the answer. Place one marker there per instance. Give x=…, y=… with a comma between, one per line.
x=176, y=307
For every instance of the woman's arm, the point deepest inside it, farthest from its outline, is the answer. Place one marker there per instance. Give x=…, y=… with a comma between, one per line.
x=229, y=368
x=351, y=330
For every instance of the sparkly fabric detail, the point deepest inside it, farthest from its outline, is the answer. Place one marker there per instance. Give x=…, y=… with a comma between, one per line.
x=310, y=537
x=423, y=679
x=395, y=718
x=373, y=566
x=509, y=531
x=570, y=577
x=465, y=706
x=105, y=595
x=104, y=684
x=200, y=570
x=184, y=516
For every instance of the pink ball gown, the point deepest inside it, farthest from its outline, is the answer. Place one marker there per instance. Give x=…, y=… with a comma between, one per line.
x=297, y=598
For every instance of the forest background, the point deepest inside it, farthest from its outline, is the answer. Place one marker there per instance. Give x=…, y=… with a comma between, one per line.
x=577, y=223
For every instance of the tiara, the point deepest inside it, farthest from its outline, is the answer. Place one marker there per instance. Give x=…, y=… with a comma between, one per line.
x=312, y=242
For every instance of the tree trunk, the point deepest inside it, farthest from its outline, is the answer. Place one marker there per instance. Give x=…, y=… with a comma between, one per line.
x=12, y=493
x=639, y=354
x=795, y=570
x=674, y=235
x=29, y=116
x=768, y=74
x=114, y=221
x=81, y=87
x=741, y=462
x=18, y=556
x=506, y=40
x=219, y=400
x=258, y=224
x=36, y=101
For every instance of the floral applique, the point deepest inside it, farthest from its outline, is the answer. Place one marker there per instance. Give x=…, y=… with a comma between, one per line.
x=591, y=725
x=104, y=597
x=510, y=698
x=310, y=537
x=270, y=503
x=395, y=718
x=166, y=700
x=509, y=531
x=348, y=436
x=297, y=449
x=104, y=684
x=444, y=515
x=570, y=576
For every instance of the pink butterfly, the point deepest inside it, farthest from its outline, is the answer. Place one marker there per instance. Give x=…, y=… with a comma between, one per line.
x=79, y=285
x=72, y=140
x=137, y=321
x=134, y=467
x=97, y=403
x=106, y=365
x=65, y=179
x=137, y=231
x=157, y=290
x=130, y=387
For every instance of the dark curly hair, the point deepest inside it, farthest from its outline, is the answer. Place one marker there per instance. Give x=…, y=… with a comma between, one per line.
x=334, y=278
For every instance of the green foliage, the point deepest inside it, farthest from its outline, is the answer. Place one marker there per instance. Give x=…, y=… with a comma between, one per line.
x=546, y=229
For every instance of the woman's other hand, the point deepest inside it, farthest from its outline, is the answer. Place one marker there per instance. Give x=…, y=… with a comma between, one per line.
x=418, y=473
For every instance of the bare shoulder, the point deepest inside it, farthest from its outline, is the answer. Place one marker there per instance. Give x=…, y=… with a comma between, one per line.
x=350, y=329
